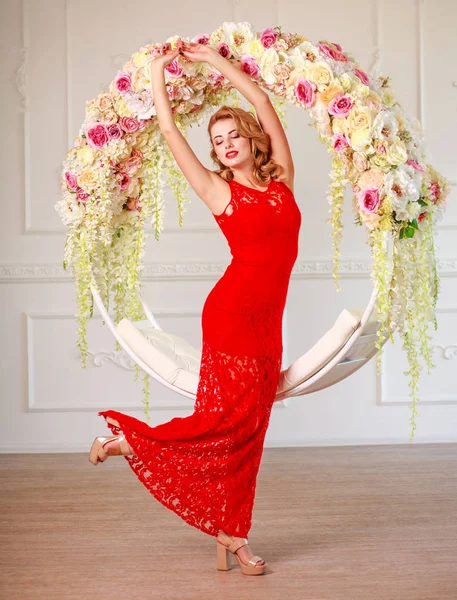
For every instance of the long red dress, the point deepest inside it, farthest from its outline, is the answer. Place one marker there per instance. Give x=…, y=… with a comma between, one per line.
x=204, y=466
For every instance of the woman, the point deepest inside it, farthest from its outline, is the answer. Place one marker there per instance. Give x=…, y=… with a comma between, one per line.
x=204, y=467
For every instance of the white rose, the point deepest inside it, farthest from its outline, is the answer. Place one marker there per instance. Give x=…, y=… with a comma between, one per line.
x=141, y=105
x=295, y=59
x=384, y=125
x=236, y=35
x=268, y=61
x=71, y=212
x=396, y=151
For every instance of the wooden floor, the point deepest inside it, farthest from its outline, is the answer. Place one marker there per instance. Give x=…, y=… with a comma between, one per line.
x=346, y=523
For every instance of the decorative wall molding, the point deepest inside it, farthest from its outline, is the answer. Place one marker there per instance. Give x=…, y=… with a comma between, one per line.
x=447, y=352
x=118, y=357
x=323, y=269
x=19, y=80
x=442, y=351
x=99, y=359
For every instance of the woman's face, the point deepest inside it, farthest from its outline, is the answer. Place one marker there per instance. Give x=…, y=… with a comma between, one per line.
x=227, y=141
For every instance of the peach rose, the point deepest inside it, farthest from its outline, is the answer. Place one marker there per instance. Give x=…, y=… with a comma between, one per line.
x=331, y=92
x=360, y=161
x=319, y=73
x=88, y=180
x=104, y=102
x=281, y=71
x=371, y=178
x=370, y=220
x=109, y=117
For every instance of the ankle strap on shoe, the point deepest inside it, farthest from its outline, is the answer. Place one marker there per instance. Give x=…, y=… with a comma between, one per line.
x=237, y=544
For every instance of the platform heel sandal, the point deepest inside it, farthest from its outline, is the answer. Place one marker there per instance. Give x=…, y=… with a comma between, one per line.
x=225, y=550
x=95, y=456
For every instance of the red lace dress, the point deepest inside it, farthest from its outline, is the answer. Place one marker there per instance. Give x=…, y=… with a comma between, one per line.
x=204, y=466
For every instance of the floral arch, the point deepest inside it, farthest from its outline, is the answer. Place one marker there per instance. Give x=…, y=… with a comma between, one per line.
x=113, y=178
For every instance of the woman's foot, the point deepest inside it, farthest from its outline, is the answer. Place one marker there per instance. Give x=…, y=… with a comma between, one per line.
x=113, y=448
x=244, y=552
x=103, y=447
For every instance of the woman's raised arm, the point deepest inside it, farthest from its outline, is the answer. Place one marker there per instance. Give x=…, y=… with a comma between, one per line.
x=266, y=114
x=201, y=179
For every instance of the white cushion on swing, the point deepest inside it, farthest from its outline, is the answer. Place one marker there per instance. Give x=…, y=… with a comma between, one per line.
x=324, y=349
x=178, y=362
x=167, y=354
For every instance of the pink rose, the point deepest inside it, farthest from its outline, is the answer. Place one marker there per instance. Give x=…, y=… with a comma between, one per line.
x=224, y=50
x=381, y=148
x=123, y=83
x=341, y=57
x=416, y=165
x=369, y=199
x=331, y=53
x=142, y=124
x=114, y=131
x=249, y=66
x=97, y=136
x=82, y=196
x=268, y=37
x=201, y=39
x=129, y=124
x=340, y=142
x=436, y=191
x=340, y=106
x=132, y=164
x=215, y=79
x=361, y=75
x=337, y=46
x=123, y=180
x=304, y=92
x=174, y=70
x=71, y=181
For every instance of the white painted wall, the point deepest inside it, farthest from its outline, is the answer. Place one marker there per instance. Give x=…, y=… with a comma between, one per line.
x=56, y=55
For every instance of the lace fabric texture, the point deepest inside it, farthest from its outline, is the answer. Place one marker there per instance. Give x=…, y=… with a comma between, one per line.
x=204, y=467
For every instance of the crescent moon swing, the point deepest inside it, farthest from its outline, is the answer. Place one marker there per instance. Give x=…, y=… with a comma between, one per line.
x=174, y=362
x=112, y=184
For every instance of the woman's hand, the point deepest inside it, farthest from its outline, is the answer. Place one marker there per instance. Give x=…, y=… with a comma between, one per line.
x=198, y=52
x=167, y=55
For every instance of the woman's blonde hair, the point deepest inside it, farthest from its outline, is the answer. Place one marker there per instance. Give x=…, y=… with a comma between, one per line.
x=264, y=168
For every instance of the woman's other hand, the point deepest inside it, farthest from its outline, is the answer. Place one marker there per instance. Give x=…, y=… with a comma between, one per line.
x=167, y=55
x=197, y=52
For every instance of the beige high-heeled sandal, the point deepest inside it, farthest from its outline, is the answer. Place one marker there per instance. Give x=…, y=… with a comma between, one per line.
x=100, y=442
x=232, y=545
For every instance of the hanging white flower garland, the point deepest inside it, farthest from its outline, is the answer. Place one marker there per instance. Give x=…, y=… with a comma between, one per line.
x=113, y=178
